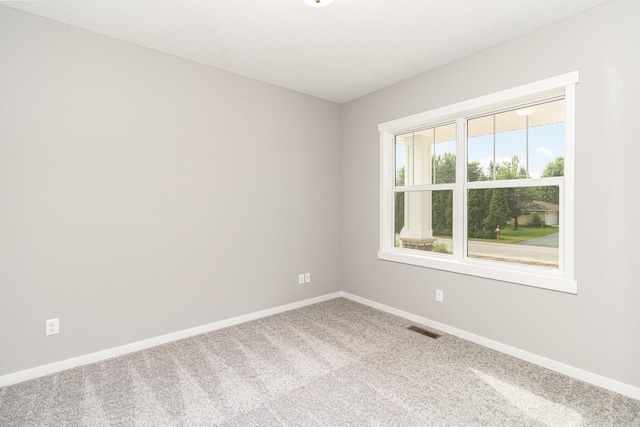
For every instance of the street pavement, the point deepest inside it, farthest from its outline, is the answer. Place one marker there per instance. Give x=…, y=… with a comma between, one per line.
x=544, y=254
x=549, y=241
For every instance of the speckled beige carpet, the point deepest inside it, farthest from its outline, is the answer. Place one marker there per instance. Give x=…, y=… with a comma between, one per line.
x=337, y=363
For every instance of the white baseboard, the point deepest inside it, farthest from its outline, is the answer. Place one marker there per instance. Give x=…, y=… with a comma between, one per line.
x=588, y=377
x=591, y=378
x=98, y=356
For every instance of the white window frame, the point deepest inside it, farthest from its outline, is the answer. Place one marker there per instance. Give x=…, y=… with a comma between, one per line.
x=561, y=279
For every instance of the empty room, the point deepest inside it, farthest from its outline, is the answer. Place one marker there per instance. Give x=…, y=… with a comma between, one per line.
x=319, y=213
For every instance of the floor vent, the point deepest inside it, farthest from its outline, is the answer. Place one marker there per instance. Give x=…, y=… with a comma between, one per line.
x=424, y=332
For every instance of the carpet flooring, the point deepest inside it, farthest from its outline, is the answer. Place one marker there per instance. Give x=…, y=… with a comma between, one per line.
x=336, y=363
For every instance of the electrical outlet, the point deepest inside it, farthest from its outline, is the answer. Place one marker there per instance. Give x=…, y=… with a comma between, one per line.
x=52, y=327
x=307, y=277
x=439, y=295
x=301, y=279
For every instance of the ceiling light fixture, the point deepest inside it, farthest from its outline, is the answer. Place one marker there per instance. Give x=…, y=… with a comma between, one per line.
x=527, y=111
x=318, y=3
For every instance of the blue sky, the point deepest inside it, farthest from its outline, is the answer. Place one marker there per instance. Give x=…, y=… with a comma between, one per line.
x=545, y=144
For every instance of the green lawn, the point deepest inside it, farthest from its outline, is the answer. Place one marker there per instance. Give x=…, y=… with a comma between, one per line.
x=508, y=235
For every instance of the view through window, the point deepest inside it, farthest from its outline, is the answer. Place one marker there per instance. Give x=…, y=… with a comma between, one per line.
x=519, y=223
x=483, y=190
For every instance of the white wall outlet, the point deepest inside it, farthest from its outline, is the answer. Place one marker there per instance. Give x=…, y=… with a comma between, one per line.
x=439, y=295
x=307, y=277
x=301, y=279
x=51, y=327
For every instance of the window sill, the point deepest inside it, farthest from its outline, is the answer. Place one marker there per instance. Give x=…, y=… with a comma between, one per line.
x=536, y=277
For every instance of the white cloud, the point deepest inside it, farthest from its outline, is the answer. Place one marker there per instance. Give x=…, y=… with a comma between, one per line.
x=545, y=152
x=486, y=163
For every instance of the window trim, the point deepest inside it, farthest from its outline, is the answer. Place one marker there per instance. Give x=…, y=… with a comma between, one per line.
x=562, y=279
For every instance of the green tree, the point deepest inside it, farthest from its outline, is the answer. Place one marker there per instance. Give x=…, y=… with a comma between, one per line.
x=442, y=208
x=517, y=198
x=475, y=172
x=399, y=202
x=535, y=220
x=511, y=169
x=478, y=203
x=444, y=167
x=498, y=213
x=444, y=172
x=553, y=168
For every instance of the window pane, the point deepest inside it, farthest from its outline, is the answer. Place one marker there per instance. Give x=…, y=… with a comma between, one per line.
x=424, y=220
x=511, y=146
x=546, y=140
x=422, y=148
x=427, y=156
x=518, y=225
x=479, y=148
x=402, y=142
x=527, y=142
x=443, y=155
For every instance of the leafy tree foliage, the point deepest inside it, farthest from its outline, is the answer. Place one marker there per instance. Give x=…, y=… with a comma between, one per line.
x=518, y=199
x=475, y=172
x=553, y=168
x=535, y=220
x=478, y=206
x=442, y=219
x=445, y=168
x=498, y=213
x=488, y=208
x=399, y=207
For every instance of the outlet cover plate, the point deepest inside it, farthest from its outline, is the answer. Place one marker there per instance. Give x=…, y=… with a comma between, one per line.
x=52, y=327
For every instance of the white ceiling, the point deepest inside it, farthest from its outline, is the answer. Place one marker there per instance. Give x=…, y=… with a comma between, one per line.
x=340, y=52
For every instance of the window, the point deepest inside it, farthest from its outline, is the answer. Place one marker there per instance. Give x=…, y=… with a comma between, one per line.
x=485, y=187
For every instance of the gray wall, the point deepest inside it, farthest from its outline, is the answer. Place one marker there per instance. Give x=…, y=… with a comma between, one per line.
x=143, y=194
x=596, y=330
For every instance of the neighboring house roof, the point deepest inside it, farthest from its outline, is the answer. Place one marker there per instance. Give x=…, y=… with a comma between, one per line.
x=538, y=206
